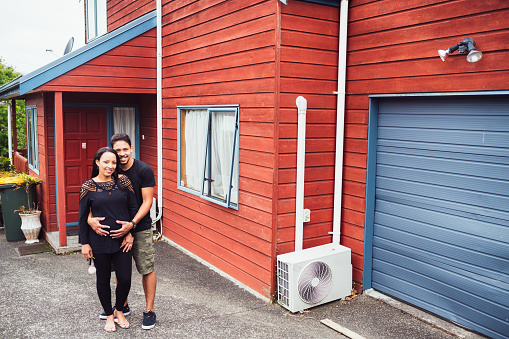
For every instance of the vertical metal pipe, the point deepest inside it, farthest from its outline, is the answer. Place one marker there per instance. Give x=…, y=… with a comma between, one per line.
x=301, y=164
x=340, y=121
x=159, y=103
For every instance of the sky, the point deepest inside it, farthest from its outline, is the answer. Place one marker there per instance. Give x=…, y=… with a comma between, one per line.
x=28, y=28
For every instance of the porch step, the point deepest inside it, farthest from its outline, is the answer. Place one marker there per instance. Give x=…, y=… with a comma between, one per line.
x=72, y=243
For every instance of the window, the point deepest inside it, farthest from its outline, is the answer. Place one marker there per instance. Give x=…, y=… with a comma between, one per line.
x=32, y=138
x=209, y=152
x=124, y=121
x=96, y=18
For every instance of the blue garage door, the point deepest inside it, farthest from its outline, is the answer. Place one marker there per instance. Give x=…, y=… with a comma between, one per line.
x=441, y=221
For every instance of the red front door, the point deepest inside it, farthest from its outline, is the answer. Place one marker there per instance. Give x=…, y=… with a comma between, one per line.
x=84, y=134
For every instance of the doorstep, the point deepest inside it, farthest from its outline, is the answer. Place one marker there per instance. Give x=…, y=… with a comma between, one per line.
x=53, y=239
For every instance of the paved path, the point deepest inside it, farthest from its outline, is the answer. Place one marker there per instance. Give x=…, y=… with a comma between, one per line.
x=52, y=296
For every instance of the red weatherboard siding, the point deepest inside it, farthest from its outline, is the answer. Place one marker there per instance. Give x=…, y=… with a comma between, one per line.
x=309, y=56
x=392, y=48
x=121, y=12
x=223, y=52
x=47, y=198
x=148, y=130
x=42, y=132
x=129, y=68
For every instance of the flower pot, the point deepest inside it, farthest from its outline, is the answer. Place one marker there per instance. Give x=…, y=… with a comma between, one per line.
x=31, y=226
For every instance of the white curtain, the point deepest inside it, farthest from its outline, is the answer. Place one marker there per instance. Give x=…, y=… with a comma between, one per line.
x=223, y=136
x=195, y=139
x=124, y=121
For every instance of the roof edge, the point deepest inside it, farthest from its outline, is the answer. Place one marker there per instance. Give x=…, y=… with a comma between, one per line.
x=86, y=53
x=10, y=90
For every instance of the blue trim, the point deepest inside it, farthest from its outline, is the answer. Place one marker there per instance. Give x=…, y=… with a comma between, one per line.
x=369, y=215
x=88, y=52
x=371, y=169
x=392, y=95
x=179, y=148
x=32, y=140
x=201, y=193
x=109, y=122
x=334, y=3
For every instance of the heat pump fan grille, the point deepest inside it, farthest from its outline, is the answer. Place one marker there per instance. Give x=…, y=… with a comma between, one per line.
x=315, y=282
x=283, y=283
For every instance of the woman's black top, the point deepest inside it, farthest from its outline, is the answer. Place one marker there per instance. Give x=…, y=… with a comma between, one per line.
x=113, y=200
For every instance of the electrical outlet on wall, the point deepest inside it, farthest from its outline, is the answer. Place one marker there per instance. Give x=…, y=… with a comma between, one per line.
x=307, y=215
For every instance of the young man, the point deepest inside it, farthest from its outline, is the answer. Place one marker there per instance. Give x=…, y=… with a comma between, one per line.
x=142, y=244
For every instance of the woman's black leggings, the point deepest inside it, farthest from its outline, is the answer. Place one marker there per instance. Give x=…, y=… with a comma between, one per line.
x=122, y=261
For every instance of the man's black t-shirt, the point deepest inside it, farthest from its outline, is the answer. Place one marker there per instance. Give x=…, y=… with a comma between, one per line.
x=141, y=175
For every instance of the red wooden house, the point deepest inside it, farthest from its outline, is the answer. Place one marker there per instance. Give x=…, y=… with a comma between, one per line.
x=424, y=180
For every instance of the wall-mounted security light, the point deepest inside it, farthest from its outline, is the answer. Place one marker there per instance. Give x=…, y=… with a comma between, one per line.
x=466, y=46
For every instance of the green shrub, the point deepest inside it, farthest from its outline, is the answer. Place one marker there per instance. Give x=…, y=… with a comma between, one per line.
x=5, y=164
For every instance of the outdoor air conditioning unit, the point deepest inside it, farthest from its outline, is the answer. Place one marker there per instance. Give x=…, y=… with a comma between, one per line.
x=314, y=276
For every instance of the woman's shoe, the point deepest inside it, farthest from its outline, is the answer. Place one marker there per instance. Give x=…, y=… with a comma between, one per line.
x=110, y=327
x=123, y=324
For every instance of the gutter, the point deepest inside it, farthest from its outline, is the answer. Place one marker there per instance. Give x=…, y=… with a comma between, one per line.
x=11, y=89
x=340, y=121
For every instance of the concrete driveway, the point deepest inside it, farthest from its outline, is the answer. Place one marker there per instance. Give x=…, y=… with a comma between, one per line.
x=52, y=296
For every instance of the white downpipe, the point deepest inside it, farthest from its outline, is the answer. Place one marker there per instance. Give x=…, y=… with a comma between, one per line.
x=159, y=98
x=301, y=164
x=340, y=121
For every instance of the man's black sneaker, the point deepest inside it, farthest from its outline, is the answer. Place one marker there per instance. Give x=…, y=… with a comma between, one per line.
x=127, y=311
x=149, y=320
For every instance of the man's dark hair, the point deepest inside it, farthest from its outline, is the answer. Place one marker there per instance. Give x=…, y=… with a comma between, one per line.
x=120, y=137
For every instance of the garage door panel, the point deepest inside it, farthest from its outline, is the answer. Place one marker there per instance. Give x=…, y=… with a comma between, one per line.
x=457, y=233
x=477, y=213
x=443, y=305
x=445, y=165
x=473, y=138
x=441, y=206
x=490, y=202
x=435, y=279
x=491, y=123
x=478, y=184
x=497, y=155
x=459, y=106
x=499, y=282
x=455, y=255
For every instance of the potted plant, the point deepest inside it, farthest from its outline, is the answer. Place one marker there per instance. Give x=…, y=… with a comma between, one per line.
x=30, y=217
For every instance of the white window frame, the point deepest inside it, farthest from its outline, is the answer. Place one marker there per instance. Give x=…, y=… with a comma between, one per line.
x=32, y=138
x=203, y=192
x=96, y=19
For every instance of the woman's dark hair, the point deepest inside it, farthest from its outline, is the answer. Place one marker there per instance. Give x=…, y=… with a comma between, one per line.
x=120, y=137
x=98, y=155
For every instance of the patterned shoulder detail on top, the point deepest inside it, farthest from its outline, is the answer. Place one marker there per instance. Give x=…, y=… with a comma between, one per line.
x=125, y=182
x=87, y=186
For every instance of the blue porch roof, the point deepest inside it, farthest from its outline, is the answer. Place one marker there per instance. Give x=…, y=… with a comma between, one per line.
x=26, y=83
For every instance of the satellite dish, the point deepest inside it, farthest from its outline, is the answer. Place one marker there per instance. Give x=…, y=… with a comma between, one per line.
x=69, y=45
